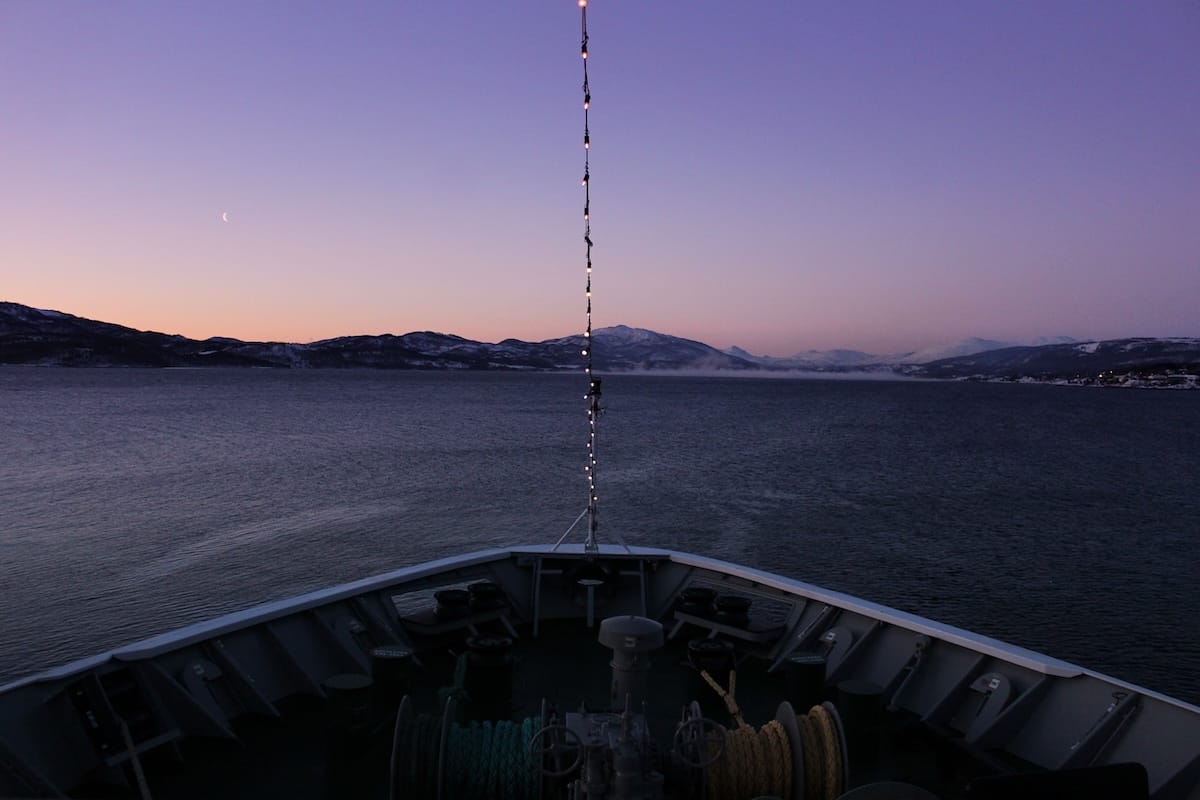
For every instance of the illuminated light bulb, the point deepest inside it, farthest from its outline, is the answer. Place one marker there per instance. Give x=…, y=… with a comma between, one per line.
x=583, y=3
x=584, y=352
x=583, y=51
x=587, y=142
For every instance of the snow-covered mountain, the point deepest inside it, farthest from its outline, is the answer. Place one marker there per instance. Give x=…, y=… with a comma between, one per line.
x=973, y=345
x=622, y=347
x=842, y=360
x=1090, y=360
x=34, y=336
x=964, y=347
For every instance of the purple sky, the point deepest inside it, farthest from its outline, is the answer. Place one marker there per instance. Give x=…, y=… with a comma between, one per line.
x=778, y=175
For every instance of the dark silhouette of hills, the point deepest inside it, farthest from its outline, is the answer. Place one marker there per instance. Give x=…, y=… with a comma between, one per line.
x=30, y=336
x=52, y=338
x=1086, y=362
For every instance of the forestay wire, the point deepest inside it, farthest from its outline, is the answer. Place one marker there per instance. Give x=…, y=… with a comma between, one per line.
x=591, y=544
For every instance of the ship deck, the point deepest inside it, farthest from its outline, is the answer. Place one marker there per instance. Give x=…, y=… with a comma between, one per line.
x=304, y=753
x=373, y=690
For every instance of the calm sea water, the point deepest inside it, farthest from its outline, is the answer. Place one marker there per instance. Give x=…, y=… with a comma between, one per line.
x=1066, y=520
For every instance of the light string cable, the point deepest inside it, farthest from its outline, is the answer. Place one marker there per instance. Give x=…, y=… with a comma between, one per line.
x=591, y=545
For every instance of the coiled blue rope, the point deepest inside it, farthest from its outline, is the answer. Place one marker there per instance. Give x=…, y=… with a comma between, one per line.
x=490, y=759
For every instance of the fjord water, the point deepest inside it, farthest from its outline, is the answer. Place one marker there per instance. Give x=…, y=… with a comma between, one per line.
x=1061, y=519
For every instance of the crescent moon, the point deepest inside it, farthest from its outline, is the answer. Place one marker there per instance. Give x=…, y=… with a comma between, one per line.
x=224, y=216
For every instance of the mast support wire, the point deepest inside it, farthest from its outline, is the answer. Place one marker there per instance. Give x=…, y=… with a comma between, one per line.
x=591, y=544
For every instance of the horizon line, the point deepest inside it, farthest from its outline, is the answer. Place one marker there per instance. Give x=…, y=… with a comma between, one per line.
x=894, y=354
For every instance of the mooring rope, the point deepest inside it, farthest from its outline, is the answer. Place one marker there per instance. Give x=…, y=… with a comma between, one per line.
x=727, y=696
x=822, y=754
x=754, y=763
x=482, y=759
x=779, y=755
x=760, y=762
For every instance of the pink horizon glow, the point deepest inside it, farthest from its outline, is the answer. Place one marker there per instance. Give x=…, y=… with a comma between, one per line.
x=772, y=176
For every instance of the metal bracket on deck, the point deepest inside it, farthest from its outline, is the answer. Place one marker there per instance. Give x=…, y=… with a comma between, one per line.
x=188, y=700
x=920, y=645
x=836, y=642
x=243, y=683
x=1010, y=720
x=309, y=680
x=1113, y=718
x=996, y=690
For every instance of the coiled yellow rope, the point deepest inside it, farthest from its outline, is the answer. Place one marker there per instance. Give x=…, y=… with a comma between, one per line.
x=754, y=763
x=760, y=763
x=822, y=755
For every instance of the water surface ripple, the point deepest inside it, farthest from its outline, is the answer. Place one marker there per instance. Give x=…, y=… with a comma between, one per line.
x=1065, y=520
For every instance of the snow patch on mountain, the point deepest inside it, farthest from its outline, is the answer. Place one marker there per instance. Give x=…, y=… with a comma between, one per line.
x=850, y=360
x=35, y=336
x=964, y=347
x=625, y=335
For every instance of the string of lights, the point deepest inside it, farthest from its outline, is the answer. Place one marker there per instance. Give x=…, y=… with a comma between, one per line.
x=593, y=395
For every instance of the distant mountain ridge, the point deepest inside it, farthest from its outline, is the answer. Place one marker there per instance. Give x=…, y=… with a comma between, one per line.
x=1101, y=361
x=30, y=336
x=833, y=359
x=52, y=338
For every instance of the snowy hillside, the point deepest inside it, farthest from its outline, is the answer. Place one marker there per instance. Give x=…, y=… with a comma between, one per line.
x=52, y=338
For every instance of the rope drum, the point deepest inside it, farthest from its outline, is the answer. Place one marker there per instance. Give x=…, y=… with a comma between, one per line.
x=791, y=749
x=763, y=762
x=755, y=763
x=490, y=759
x=823, y=755
x=433, y=757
